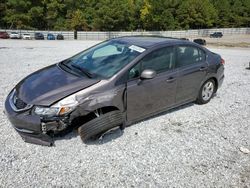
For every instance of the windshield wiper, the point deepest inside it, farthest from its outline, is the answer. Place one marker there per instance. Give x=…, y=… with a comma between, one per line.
x=65, y=64
x=83, y=70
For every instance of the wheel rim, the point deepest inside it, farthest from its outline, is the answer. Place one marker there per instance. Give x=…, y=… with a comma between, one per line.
x=207, y=91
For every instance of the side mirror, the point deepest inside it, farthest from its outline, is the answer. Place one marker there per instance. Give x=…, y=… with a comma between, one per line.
x=148, y=74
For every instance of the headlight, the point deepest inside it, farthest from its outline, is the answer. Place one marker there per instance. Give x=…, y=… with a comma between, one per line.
x=62, y=107
x=46, y=111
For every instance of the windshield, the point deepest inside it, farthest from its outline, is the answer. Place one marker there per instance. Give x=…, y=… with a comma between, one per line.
x=105, y=59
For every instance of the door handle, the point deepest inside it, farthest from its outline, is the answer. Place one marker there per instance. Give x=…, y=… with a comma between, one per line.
x=171, y=79
x=203, y=68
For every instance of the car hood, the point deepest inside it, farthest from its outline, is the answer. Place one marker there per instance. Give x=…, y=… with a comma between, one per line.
x=50, y=84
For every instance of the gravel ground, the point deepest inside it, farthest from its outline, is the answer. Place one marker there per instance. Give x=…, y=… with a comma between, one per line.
x=192, y=146
x=228, y=40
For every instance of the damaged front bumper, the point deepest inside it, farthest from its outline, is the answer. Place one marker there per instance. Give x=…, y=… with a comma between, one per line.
x=32, y=128
x=39, y=139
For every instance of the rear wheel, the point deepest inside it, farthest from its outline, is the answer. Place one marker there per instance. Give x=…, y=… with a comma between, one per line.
x=206, y=92
x=100, y=124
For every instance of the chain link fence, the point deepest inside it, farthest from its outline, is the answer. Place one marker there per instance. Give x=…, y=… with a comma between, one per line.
x=81, y=35
x=89, y=35
x=68, y=35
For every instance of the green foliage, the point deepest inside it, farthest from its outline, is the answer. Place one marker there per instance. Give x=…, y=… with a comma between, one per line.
x=123, y=15
x=16, y=13
x=53, y=12
x=160, y=15
x=111, y=15
x=240, y=12
x=3, y=7
x=36, y=15
x=196, y=14
x=76, y=21
x=223, y=9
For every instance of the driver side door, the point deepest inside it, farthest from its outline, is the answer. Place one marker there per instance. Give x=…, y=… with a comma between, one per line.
x=149, y=96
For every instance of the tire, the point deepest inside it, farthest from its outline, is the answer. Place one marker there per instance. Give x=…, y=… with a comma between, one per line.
x=100, y=124
x=206, y=92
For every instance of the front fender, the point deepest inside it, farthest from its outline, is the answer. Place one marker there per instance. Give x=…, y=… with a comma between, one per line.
x=114, y=97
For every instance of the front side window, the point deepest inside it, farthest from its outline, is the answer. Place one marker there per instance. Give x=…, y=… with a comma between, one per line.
x=104, y=60
x=188, y=55
x=134, y=72
x=159, y=60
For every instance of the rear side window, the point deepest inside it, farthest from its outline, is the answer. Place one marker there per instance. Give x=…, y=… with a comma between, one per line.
x=188, y=55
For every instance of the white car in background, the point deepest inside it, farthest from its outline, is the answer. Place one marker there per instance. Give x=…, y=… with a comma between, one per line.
x=26, y=36
x=15, y=35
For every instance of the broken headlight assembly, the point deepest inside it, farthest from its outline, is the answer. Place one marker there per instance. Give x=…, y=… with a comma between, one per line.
x=62, y=107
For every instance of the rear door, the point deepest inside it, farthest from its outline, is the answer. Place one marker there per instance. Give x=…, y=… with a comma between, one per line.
x=145, y=97
x=192, y=66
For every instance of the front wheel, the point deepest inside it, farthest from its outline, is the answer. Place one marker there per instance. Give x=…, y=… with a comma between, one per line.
x=100, y=124
x=207, y=91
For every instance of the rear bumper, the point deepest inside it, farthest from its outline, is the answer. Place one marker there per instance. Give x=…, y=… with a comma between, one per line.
x=220, y=81
x=220, y=75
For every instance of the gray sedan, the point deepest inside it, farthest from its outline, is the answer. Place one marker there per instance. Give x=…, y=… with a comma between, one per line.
x=113, y=84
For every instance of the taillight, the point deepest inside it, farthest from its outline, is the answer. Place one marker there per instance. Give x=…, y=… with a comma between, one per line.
x=222, y=61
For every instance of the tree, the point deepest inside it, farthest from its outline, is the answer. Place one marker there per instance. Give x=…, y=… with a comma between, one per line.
x=223, y=9
x=16, y=15
x=145, y=14
x=36, y=15
x=111, y=16
x=196, y=14
x=246, y=13
x=161, y=15
x=240, y=13
x=54, y=12
x=3, y=8
x=114, y=15
x=76, y=21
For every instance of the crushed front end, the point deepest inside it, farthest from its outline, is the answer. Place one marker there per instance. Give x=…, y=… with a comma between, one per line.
x=31, y=127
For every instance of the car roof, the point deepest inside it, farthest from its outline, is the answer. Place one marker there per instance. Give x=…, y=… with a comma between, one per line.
x=149, y=41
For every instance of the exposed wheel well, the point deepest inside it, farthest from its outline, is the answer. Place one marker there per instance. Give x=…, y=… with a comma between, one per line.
x=107, y=109
x=78, y=121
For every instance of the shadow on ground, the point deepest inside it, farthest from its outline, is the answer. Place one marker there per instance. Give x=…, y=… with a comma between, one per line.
x=111, y=134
